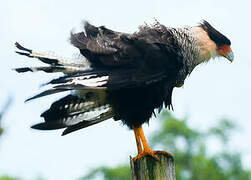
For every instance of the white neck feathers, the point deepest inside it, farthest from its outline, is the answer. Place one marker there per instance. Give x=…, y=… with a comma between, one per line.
x=208, y=48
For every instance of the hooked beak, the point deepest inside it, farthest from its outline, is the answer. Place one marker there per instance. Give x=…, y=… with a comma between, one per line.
x=230, y=56
x=226, y=52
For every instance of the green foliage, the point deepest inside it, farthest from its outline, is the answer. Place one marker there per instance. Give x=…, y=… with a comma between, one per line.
x=1, y=131
x=121, y=172
x=192, y=159
x=190, y=149
x=3, y=111
x=222, y=130
x=8, y=178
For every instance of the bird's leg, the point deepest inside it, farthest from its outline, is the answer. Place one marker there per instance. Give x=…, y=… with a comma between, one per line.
x=140, y=138
x=138, y=141
x=147, y=148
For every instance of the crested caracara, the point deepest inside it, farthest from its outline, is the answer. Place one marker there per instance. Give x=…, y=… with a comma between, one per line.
x=123, y=76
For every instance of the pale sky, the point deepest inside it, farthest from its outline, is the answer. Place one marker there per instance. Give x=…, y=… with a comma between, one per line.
x=214, y=90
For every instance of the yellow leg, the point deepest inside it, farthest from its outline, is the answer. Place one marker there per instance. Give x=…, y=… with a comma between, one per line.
x=138, y=142
x=146, y=150
x=143, y=139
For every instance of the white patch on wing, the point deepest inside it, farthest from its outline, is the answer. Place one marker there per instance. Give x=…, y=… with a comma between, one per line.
x=87, y=116
x=76, y=62
x=91, y=82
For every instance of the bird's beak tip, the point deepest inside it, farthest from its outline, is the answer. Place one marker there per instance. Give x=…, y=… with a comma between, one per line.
x=230, y=56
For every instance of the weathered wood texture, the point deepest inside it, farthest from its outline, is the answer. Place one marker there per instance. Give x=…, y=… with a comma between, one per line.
x=148, y=168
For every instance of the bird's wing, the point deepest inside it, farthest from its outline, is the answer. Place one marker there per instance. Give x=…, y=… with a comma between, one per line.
x=105, y=47
x=119, y=60
x=100, y=80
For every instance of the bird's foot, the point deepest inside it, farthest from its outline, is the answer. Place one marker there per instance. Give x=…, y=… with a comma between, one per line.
x=146, y=153
x=152, y=154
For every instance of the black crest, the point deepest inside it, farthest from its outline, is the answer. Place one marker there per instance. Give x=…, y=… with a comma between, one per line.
x=215, y=35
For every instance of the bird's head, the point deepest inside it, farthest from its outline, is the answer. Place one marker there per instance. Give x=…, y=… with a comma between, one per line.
x=213, y=43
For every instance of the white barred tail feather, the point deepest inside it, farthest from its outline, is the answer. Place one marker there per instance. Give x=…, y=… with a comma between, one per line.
x=74, y=112
x=56, y=63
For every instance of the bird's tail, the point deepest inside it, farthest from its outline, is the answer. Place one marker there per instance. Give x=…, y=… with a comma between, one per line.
x=81, y=108
x=76, y=111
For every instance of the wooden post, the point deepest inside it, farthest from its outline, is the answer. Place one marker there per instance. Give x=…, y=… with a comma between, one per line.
x=148, y=168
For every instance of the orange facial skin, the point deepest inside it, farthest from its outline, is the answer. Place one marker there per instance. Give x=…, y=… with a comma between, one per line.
x=226, y=52
x=224, y=49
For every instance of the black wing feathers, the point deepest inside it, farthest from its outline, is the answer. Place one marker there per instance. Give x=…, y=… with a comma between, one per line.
x=28, y=52
x=119, y=61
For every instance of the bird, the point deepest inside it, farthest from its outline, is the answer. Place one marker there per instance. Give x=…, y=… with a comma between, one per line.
x=127, y=77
